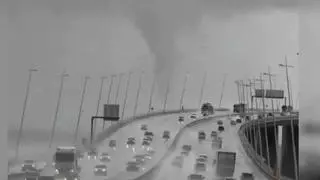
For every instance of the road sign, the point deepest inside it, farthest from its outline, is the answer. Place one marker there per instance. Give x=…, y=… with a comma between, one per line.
x=275, y=94
x=111, y=111
x=259, y=93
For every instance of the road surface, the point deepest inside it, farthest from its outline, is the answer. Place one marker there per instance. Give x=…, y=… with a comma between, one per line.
x=231, y=142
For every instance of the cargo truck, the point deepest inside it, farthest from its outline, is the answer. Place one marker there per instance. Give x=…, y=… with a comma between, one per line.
x=225, y=164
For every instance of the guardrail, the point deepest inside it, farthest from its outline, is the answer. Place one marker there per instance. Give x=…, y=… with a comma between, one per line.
x=252, y=153
x=150, y=173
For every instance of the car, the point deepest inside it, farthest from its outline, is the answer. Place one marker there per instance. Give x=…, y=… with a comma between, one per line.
x=148, y=138
x=80, y=154
x=203, y=156
x=221, y=128
x=148, y=133
x=142, y=156
x=233, y=123
x=219, y=122
x=200, y=167
x=178, y=161
x=151, y=152
x=247, y=118
x=132, y=166
x=140, y=161
x=239, y=121
x=105, y=157
x=93, y=154
x=144, y=127
x=112, y=143
x=246, y=176
x=196, y=177
x=270, y=114
x=131, y=141
x=214, y=134
x=201, y=160
x=100, y=170
x=181, y=119
x=201, y=135
x=166, y=135
x=229, y=178
x=31, y=174
x=193, y=116
x=146, y=143
x=67, y=176
x=28, y=165
x=187, y=147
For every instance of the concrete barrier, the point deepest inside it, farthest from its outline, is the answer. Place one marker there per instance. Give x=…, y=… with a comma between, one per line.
x=252, y=153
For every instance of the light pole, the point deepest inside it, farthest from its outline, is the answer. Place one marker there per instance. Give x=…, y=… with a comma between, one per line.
x=109, y=94
x=223, y=85
x=151, y=94
x=238, y=88
x=126, y=95
x=31, y=70
x=202, y=88
x=138, y=95
x=291, y=120
x=166, y=96
x=63, y=76
x=118, y=88
x=183, y=90
x=99, y=101
x=80, y=108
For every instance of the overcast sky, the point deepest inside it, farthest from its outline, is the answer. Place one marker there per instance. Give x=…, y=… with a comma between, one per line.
x=167, y=38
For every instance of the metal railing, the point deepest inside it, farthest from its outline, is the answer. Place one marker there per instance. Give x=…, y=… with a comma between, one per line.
x=251, y=151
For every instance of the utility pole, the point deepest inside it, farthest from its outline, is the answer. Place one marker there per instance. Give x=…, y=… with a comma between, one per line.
x=118, y=88
x=202, y=88
x=243, y=95
x=183, y=90
x=138, y=94
x=99, y=101
x=166, y=96
x=31, y=70
x=126, y=95
x=151, y=94
x=291, y=120
x=223, y=85
x=63, y=76
x=80, y=108
x=109, y=94
x=238, y=89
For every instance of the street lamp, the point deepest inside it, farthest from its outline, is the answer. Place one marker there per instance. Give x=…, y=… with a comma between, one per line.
x=63, y=76
x=99, y=100
x=31, y=70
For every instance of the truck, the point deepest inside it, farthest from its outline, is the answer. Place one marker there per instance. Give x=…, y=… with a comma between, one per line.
x=66, y=159
x=225, y=164
x=207, y=109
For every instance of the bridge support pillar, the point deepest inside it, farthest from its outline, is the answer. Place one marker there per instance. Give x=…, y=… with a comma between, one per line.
x=287, y=161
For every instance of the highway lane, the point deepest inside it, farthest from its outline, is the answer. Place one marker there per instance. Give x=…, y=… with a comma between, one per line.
x=121, y=155
x=231, y=142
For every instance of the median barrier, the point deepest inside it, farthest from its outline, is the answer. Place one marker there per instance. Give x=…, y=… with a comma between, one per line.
x=252, y=153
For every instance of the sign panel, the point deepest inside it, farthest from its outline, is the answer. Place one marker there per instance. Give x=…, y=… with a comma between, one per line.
x=111, y=111
x=275, y=94
x=259, y=93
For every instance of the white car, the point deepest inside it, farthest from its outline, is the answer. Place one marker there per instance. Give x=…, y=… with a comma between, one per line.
x=28, y=165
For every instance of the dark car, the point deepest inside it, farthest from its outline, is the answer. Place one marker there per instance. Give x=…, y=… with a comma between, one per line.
x=220, y=128
x=247, y=176
x=100, y=170
x=214, y=134
x=112, y=143
x=133, y=166
x=144, y=127
x=201, y=135
x=29, y=165
x=148, y=138
x=105, y=157
x=148, y=133
x=239, y=120
x=146, y=143
x=233, y=123
x=181, y=119
x=32, y=174
x=166, y=135
x=131, y=141
x=93, y=154
x=196, y=177
x=193, y=116
x=220, y=122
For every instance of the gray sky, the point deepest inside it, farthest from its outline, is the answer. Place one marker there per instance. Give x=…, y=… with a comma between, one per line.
x=96, y=38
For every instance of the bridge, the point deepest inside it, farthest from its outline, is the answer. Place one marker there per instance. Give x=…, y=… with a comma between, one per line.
x=265, y=147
